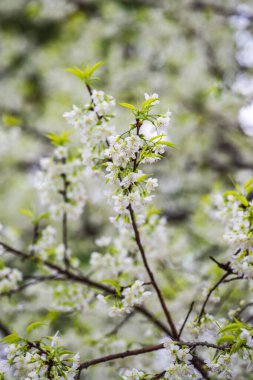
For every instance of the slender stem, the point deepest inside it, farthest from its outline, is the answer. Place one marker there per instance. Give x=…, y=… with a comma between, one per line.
x=243, y=308
x=119, y=325
x=65, y=218
x=35, y=237
x=150, y=273
x=202, y=311
x=122, y=355
x=145, y=350
x=99, y=117
x=186, y=319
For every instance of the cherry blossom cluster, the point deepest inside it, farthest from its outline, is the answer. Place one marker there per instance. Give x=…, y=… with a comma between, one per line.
x=45, y=247
x=131, y=296
x=235, y=210
x=126, y=152
x=9, y=279
x=180, y=366
x=61, y=183
x=43, y=359
x=68, y=298
x=93, y=123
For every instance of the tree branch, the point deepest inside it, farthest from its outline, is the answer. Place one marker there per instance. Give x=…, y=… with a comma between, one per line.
x=146, y=349
x=151, y=275
x=202, y=311
x=186, y=319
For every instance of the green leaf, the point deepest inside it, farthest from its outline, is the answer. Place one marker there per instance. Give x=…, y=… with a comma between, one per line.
x=248, y=183
x=10, y=120
x=114, y=284
x=231, y=192
x=44, y=215
x=242, y=199
x=167, y=143
x=249, y=189
x=236, y=346
x=26, y=212
x=12, y=338
x=238, y=196
x=148, y=103
x=127, y=105
x=77, y=72
x=142, y=177
x=60, y=139
x=85, y=74
x=96, y=66
x=34, y=325
x=226, y=338
x=232, y=327
x=157, y=137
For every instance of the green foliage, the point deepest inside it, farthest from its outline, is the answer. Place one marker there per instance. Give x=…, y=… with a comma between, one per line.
x=34, y=325
x=114, y=284
x=11, y=120
x=35, y=219
x=127, y=105
x=12, y=338
x=85, y=73
x=230, y=334
x=59, y=139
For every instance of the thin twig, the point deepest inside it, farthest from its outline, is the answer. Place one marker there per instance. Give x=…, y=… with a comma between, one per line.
x=186, y=319
x=65, y=218
x=202, y=311
x=119, y=325
x=238, y=314
x=235, y=279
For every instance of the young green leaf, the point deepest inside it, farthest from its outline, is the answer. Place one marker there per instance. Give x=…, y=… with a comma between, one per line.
x=10, y=339
x=26, y=212
x=127, y=105
x=34, y=325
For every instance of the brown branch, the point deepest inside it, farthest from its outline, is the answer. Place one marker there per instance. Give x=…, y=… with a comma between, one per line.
x=151, y=275
x=202, y=311
x=93, y=284
x=67, y=273
x=119, y=325
x=65, y=219
x=238, y=314
x=220, y=9
x=225, y=267
x=186, y=319
x=147, y=349
x=121, y=355
x=235, y=279
x=86, y=281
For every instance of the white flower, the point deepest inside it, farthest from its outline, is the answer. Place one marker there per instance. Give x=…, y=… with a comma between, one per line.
x=133, y=374
x=101, y=299
x=151, y=184
x=104, y=241
x=152, y=96
x=135, y=294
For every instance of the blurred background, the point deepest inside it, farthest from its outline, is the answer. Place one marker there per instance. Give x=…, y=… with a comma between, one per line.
x=197, y=55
